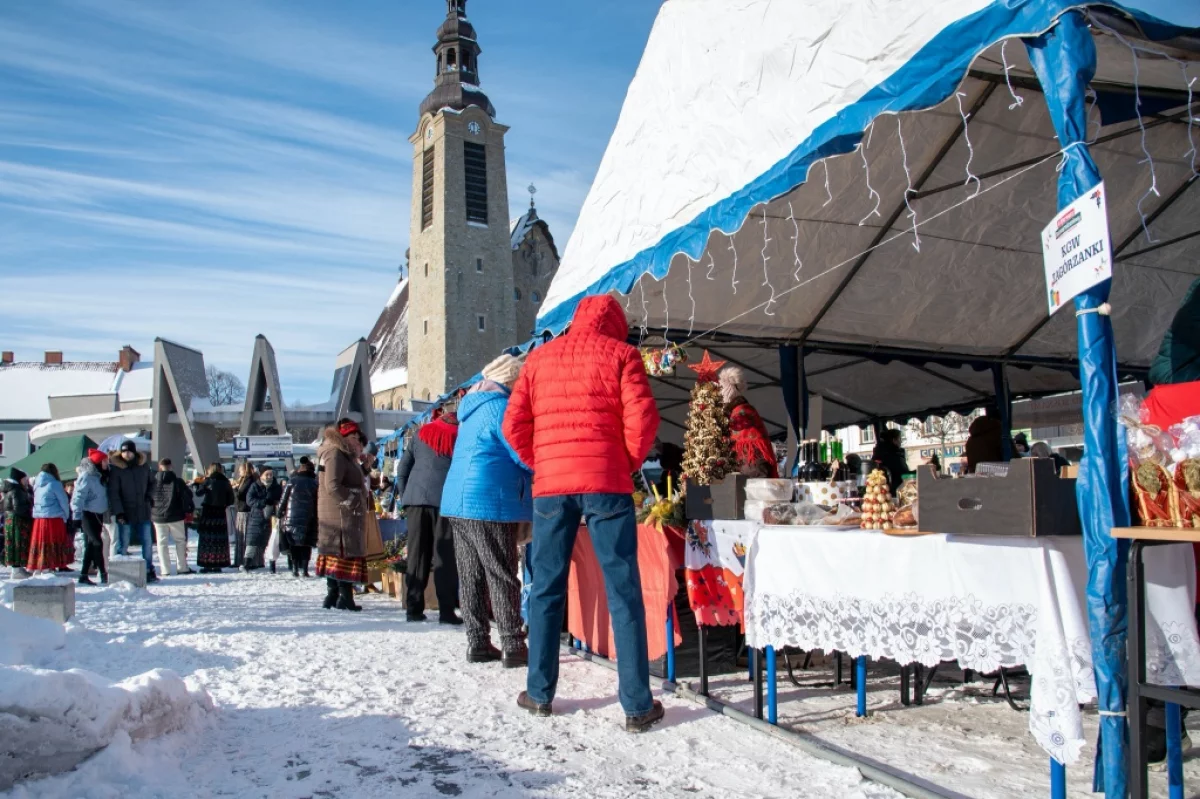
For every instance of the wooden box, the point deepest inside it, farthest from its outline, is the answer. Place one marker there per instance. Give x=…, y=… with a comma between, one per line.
x=1030, y=501
x=722, y=500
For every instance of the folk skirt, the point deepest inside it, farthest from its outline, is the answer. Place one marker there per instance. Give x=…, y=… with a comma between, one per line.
x=50, y=547
x=213, y=531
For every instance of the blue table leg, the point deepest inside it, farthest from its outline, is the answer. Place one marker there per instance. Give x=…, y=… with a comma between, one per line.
x=860, y=677
x=1174, y=752
x=1058, y=780
x=670, y=646
x=772, y=704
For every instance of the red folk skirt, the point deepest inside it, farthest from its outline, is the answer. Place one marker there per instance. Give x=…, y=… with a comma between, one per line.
x=346, y=570
x=50, y=547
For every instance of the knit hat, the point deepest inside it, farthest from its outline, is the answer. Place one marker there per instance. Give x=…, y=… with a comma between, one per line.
x=349, y=428
x=96, y=456
x=503, y=370
x=128, y=446
x=732, y=381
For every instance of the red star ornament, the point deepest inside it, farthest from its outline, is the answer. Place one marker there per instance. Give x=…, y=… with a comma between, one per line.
x=706, y=370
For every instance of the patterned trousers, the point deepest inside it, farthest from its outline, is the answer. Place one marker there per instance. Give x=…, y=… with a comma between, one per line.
x=487, y=567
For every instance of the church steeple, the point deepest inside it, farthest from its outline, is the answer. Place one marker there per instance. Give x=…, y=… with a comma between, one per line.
x=456, y=84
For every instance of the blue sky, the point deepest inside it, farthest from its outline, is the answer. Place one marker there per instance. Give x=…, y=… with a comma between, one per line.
x=207, y=170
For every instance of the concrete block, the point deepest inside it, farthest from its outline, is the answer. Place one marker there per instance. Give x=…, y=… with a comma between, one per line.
x=129, y=568
x=45, y=599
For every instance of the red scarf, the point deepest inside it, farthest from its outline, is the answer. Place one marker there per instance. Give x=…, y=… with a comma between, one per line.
x=748, y=434
x=439, y=436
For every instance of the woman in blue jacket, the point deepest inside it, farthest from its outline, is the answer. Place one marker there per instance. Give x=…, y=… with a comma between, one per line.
x=488, y=493
x=90, y=503
x=51, y=548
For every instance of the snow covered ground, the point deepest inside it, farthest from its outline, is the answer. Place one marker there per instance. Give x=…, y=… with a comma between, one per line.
x=316, y=703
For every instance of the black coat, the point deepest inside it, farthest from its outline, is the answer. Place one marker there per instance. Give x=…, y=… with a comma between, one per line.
x=216, y=492
x=170, y=499
x=258, y=499
x=129, y=489
x=17, y=501
x=298, y=511
x=422, y=475
x=240, y=494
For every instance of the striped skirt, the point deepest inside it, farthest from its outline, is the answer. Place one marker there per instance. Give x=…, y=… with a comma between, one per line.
x=346, y=570
x=50, y=547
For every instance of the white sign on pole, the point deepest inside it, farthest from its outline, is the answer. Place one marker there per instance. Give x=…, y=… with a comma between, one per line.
x=1076, y=248
x=262, y=448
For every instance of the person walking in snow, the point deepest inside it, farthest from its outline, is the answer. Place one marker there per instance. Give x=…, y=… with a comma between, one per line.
x=419, y=482
x=216, y=497
x=298, y=517
x=583, y=417
x=486, y=497
x=246, y=478
x=18, y=520
x=342, y=503
x=129, y=502
x=89, y=504
x=50, y=548
x=170, y=503
x=262, y=499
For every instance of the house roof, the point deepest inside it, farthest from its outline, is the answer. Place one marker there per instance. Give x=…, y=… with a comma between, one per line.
x=137, y=384
x=389, y=342
x=25, y=388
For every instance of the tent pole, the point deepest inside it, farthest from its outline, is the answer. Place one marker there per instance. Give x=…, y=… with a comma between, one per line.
x=1064, y=59
x=1004, y=405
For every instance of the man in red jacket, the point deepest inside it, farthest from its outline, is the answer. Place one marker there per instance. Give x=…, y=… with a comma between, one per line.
x=583, y=419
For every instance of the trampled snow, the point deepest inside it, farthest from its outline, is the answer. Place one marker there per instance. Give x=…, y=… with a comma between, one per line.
x=312, y=702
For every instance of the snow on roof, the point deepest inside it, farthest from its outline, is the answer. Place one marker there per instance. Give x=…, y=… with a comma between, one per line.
x=396, y=292
x=25, y=388
x=389, y=337
x=387, y=379
x=137, y=384
x=520, y=227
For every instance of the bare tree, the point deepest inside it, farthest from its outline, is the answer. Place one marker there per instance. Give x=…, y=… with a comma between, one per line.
x=942, y=430
x=224, y=388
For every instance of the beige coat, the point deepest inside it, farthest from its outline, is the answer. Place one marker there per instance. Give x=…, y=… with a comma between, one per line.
x=342, y=501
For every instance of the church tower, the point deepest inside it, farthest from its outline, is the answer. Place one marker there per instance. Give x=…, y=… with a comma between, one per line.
x=461, y=311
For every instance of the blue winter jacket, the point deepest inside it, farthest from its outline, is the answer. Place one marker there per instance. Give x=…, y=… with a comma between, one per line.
x=49, y=499
x=91, y=494
x=486, y=481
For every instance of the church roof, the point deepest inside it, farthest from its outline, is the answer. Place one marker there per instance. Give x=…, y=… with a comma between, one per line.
x=389, y=342
x=524, y=224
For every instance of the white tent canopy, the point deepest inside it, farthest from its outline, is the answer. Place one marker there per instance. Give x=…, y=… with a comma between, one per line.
x=761, y=188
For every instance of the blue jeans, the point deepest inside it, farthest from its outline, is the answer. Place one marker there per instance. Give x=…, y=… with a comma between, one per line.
x=146, y=533
x=613, y=529
x=526, y=582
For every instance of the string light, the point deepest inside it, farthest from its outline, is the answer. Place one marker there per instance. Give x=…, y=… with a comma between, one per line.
x=970, y=148
x=666, y=314
x=795, y=242
x=867, y=169
x=825, y=163
x=733, y=250
x=765, y=257
x=912, y=213
x=692, y=318
x=645, y=311
x=1018, y=100
x=1191, y=120
x=711, y=266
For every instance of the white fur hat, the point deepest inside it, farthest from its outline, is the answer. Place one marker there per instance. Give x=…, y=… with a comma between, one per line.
x=732, y=379
x=503, y=370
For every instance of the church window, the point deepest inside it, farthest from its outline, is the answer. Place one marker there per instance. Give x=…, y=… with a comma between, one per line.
x=475, y=166
x=427, y=190
x=478, y=264
x=533, y=265
x=516, y=294
x=482, y=322
x=425, y=326
x=451, y=60
x=426, y=270
x=536, y=297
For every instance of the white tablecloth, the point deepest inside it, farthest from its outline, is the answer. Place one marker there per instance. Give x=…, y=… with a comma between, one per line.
x=984, y=602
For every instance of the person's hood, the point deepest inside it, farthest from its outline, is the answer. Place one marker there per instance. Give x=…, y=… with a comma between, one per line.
x=43, y=479
x=87, y=467
x=601, y=314
x=337, y=441
x=478, y=399
x=166, y=477
x=115, y=461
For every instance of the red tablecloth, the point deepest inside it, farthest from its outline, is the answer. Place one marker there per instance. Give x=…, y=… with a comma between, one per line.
x=659, y=555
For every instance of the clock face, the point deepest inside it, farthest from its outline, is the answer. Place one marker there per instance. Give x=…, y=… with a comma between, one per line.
x=474, y=128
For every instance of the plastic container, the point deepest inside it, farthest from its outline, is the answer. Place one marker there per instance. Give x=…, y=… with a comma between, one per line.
x=770, y=490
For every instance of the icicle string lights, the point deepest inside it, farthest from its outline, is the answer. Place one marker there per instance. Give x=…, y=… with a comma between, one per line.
x=765, y=257
x=733, y=250
x=867, y=169
x=1018, y=100
x=666, y=314
x=692, y=318
x=970, y=148
x=645, y=311
x=711, y=266
x=912, y=212
x=825, y=163
x=795, y=242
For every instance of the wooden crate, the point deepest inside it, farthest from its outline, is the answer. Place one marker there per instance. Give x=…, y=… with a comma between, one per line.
x=1030, y=501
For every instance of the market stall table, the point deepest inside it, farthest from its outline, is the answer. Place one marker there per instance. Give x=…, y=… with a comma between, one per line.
x=984, y=602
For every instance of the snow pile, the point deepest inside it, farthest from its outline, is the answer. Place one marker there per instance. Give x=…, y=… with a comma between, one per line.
x=50, y=721
x=24, y=638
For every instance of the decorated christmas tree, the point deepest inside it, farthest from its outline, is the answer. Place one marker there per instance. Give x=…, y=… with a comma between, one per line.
x=707, y=455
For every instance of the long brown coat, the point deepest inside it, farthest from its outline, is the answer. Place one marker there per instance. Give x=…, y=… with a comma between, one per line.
x=341, y=500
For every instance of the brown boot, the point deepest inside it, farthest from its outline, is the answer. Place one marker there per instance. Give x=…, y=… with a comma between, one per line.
x=646, y=720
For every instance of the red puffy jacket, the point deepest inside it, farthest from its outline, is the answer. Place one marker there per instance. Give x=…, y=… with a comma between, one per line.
x=581, y=414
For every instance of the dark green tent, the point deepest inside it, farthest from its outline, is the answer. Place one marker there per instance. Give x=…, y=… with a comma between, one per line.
x=1178, y=358
x=65, y=453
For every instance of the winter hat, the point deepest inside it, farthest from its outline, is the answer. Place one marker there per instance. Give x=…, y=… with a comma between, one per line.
x=349, y=428
x=503, y=370
x=96, y=456
x=732, y=381
x=128, y=446
x=16, y=475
